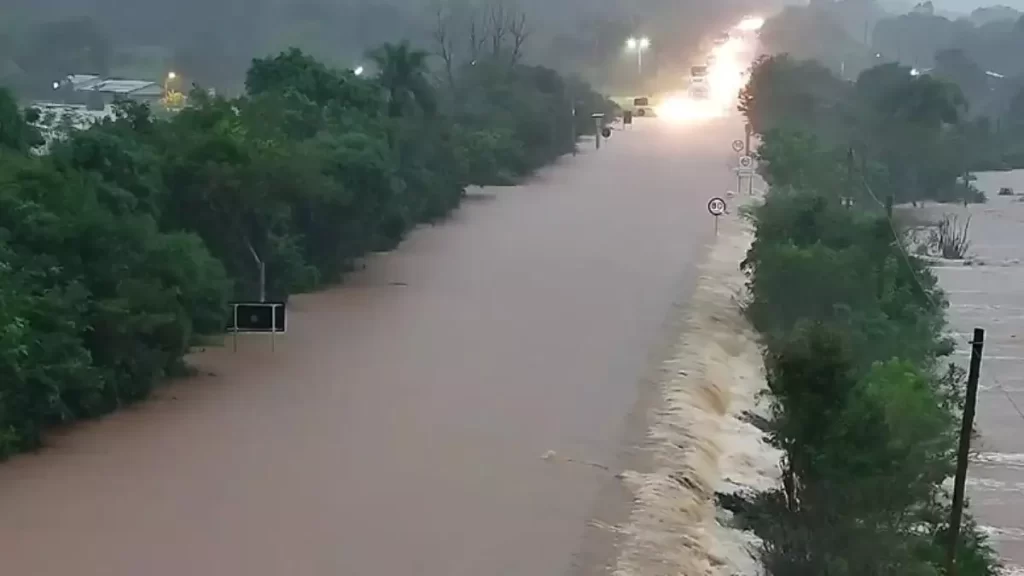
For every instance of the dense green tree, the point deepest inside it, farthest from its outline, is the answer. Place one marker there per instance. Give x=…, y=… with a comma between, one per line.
x=863, y=413
x=403, y=74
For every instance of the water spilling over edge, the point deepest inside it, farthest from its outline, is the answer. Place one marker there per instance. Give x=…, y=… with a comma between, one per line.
x=699, y=440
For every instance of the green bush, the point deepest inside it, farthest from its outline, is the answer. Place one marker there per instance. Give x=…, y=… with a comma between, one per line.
x=865, y=416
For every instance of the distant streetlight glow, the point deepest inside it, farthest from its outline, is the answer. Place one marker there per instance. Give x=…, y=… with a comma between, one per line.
x=172, y=75
x=750, y=24
x=359, y=71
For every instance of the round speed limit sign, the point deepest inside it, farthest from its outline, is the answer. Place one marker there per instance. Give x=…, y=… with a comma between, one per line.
x=716, y=206
x=737, y=145
x=746, y=162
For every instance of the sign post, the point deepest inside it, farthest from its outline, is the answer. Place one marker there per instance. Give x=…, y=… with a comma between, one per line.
x=746, y=168
x=716, y=207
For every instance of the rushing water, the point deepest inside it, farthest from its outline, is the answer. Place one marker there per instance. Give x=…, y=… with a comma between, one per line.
x=701, y=443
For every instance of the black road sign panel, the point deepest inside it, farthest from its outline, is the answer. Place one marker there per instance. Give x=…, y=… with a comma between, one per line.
x=258, y=317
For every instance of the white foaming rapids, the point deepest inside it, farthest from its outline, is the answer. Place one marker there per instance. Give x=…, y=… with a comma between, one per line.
x=700, y=442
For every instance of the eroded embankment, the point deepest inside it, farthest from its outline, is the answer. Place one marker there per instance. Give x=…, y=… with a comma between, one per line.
x=698, y=439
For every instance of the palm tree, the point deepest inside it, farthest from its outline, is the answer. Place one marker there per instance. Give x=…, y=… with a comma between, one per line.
x=404, y=74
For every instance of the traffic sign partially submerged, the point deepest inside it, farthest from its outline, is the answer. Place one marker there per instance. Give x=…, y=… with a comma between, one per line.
x=259, y=317
x=717, y=207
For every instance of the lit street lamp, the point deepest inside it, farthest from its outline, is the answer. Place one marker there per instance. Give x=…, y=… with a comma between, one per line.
x=358, y=71
x=639, y=45
x=171, y=77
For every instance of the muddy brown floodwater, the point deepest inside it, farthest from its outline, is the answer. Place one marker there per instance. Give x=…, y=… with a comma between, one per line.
x=399, y=428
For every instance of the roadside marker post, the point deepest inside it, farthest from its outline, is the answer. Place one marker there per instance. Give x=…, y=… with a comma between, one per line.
x=573, y=129
x=716, y=207
x=598, y=117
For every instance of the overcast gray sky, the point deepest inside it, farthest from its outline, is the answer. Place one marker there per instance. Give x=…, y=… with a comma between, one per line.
x=968, y=5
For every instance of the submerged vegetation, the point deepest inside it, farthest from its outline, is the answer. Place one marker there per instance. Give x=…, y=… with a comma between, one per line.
x=124, y=242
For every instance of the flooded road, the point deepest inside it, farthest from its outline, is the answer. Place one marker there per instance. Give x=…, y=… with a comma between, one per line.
x=399, y=427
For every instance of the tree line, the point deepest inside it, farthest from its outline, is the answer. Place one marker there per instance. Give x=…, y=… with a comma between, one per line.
x=864, y=403
x=977, y=53
x=899, y=134
x=121, y=245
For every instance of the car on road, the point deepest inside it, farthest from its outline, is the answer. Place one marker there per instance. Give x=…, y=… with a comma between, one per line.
x=642, y=107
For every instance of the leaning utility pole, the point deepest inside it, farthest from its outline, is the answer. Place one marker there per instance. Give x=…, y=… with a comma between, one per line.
x=966, y=427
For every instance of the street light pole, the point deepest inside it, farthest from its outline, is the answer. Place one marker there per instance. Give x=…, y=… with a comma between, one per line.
x=639, y=45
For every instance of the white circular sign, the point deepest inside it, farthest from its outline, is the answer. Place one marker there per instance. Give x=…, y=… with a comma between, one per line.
x=746, y=162
x=737, y=146
x=716, y=206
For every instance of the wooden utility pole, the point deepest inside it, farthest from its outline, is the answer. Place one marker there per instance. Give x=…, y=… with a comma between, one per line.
x=966, y=427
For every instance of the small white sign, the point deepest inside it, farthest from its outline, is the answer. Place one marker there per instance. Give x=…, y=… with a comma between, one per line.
x=737, y=146
x=716, y=206
x=746, y=162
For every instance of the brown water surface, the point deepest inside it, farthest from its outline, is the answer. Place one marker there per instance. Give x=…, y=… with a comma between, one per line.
x=399, y=427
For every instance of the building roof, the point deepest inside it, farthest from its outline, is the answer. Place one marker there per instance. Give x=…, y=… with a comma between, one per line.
x=93, y=83
x=126, y=87
x=82, y=81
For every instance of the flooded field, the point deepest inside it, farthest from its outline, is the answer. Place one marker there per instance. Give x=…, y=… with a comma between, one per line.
x=987, y=291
